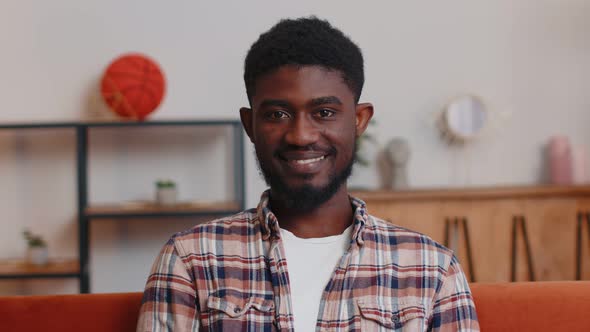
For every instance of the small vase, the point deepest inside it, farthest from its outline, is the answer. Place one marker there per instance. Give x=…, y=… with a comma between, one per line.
x=580, y=165
x=560, y=160
x=166, y=196
x=38, y=255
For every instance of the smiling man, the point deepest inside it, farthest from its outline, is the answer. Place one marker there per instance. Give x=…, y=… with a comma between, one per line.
x=309, y=257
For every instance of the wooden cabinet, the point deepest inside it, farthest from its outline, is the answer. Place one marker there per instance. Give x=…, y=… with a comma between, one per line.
x=550, y=217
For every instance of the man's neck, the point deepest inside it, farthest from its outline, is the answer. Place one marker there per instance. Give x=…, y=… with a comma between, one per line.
x=331, y=218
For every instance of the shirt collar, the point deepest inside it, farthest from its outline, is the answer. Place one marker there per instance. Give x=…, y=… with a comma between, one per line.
x=270, y=225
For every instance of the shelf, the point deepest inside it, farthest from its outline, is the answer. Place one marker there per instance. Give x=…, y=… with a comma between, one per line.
x=150, y=209
x=19, y=268
x=130, y=123
x=118, y=123
x=474, y=193
x=85, y=213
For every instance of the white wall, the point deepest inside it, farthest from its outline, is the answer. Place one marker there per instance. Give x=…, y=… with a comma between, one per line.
x=529, y=60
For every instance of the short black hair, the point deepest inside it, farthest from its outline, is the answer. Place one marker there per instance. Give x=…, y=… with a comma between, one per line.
x=305, y=41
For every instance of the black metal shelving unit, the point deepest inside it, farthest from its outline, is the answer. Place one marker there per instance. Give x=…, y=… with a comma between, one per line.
x=86, y=213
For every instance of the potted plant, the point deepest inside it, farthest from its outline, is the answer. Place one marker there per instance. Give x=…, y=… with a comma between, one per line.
x=37, y=252
x=166, y=192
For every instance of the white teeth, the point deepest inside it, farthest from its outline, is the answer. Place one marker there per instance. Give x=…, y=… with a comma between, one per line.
x=308, y=161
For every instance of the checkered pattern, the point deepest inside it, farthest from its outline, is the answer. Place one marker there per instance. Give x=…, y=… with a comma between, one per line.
x=231, y=275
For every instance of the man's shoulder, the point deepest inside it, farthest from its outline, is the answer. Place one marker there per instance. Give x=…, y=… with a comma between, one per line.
x=234, y=225
x=398, y=237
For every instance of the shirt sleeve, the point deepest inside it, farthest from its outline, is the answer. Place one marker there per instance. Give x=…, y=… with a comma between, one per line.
x=169, y=298
x=453, y=308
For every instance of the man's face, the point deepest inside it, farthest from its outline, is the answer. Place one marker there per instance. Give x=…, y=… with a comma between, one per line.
x=304, y=123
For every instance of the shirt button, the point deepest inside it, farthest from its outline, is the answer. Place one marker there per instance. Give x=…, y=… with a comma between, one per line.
x=237, y=309
x=395, y=319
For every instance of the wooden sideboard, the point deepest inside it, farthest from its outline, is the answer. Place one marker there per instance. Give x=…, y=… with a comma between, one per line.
x=551, y=215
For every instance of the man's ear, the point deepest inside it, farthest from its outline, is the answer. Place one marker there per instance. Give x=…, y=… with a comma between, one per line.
x=364, y=113
x=247, y=117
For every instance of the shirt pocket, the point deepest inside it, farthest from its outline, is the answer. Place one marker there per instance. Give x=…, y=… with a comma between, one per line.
x=403, y=316
x=227, y=313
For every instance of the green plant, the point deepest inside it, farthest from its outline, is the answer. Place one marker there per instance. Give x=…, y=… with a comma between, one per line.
x=34, y=241
x=160, y=184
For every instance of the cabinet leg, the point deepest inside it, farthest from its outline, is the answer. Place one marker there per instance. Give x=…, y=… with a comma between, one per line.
x=513, y=250
x=520, y=222
x=452, y=240
x=468, y=247
x=579, y=246
x=583, y=218
x=529, y=254
x=447, y=231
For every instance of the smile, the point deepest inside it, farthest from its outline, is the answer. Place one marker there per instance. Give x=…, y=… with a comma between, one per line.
x=307, y=161
x=302, y=164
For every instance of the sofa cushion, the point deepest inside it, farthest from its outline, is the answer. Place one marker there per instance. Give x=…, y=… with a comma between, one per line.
x=533, y=306
x=87, y=312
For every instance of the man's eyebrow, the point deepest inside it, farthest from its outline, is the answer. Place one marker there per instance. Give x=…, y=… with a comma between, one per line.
x=325, y=100
x=274, y=103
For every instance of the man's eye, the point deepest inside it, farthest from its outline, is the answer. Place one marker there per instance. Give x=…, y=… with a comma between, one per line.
x=325, y=113
x=276, y=115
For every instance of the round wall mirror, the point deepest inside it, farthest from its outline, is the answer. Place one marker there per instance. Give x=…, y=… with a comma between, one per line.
x=463, y=119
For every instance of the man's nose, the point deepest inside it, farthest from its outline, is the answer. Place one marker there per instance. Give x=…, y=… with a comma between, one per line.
x=302, y=132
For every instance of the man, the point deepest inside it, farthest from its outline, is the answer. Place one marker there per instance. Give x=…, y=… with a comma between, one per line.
x=309, y=257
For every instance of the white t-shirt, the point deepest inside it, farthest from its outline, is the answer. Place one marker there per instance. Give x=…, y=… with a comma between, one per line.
x=310, y=263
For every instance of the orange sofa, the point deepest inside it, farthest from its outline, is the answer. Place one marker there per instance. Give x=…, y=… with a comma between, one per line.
x=527, y=306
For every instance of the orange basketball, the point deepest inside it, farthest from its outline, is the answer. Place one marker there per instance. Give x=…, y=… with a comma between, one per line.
x=133, y=86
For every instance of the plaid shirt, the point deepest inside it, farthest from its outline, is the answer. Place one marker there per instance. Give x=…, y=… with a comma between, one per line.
x=231, y=275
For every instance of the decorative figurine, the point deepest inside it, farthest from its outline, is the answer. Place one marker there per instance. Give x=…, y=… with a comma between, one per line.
x=397, y=152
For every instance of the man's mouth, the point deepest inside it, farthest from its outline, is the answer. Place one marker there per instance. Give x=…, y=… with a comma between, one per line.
x=307, y=161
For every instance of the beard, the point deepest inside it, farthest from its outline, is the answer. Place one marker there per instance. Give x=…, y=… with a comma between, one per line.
x=306, y=197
